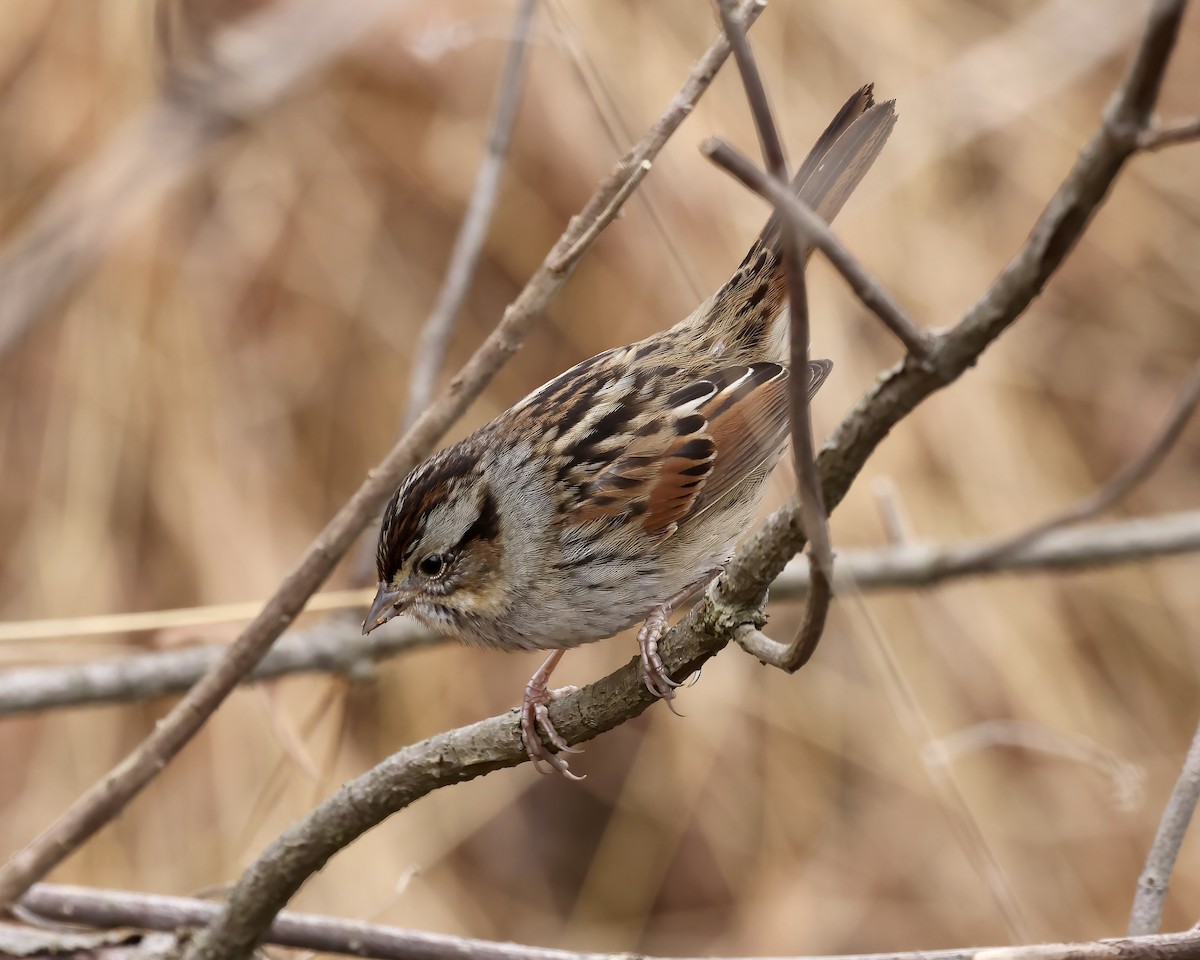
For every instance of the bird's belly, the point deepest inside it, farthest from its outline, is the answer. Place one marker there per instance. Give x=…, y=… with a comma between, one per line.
x=603, y=600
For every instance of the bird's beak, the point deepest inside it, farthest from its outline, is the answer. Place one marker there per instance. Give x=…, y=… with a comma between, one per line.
x=387, y=604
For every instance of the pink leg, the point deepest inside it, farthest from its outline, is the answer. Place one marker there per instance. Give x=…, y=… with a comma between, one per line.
x=654, y=674
x=535, y=719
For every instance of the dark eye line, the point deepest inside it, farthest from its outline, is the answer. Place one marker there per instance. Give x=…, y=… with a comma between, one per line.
x=486, y=525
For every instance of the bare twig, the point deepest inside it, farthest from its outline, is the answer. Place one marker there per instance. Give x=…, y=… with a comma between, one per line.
x=917, y=564
x=1116, y=489
x=108, y=797
x=817, y=233
x=812, y=505
x=1160, y=861
x=567, y=259
x=337, y=646
x=812, y=625
x=756, y=93
x=1168, y=135
x=430, y=352
x=108, y=909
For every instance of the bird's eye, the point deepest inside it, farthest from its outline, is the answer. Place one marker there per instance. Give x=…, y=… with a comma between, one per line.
x=434, y=565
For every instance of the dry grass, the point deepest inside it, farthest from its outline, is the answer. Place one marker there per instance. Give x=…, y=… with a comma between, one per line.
x=179, y=430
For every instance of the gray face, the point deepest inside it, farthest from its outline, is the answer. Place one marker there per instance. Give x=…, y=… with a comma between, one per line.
x=440, y=543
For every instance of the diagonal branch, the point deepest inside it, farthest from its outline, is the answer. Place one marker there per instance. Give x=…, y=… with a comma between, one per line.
x=1146, y=916
x=900, y=389
x=111, y=794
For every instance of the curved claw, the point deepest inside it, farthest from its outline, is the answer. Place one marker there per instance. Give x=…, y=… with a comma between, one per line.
x=654, y=673
x=535, y=724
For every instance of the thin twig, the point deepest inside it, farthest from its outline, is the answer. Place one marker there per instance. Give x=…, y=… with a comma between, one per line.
x=812, y=505
x=756, y=93
x=817, y=233
x=1116, y=489
x=337, y=646
x=430, y=351
x=108, y=909
x=566, y=260
x=812, y=625
x=1169, y=135
x=110, y=795
x=921, y=564
x=1146, y=916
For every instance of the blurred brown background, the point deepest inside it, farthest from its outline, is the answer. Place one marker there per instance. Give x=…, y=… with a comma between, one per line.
x=180, y=428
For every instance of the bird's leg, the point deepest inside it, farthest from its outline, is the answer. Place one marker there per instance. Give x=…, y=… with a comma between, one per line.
x=535, y=719
x=654, y=675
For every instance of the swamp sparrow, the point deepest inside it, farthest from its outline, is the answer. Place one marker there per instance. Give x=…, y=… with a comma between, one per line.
x=615, y=492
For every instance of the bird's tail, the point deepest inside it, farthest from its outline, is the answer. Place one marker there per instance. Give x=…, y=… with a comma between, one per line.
x=742, y=313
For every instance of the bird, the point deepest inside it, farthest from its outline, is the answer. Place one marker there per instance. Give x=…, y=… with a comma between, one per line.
x=614, y=493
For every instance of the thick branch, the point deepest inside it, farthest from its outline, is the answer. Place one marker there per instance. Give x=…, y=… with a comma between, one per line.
x=107, y=909
x=108, y=797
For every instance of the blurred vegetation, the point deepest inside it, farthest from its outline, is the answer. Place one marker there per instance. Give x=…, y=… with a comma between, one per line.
x=177, y=432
